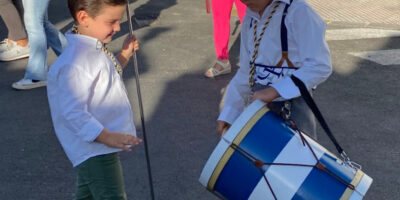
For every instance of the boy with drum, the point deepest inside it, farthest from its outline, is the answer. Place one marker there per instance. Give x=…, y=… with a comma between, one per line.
x=279, y=38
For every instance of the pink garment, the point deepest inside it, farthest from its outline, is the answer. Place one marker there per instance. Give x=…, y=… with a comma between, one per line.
x=221, y=10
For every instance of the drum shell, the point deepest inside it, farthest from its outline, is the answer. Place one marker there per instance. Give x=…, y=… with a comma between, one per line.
x=261, y=134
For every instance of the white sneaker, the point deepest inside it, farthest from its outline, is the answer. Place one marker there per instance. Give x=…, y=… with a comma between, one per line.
x=12, y=51
x=4, y=45
x=26, y=84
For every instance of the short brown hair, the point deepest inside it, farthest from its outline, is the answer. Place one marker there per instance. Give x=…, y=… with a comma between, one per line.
x=92, y=7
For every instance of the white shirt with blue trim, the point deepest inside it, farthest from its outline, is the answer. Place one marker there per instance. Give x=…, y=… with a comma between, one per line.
x=308, y=51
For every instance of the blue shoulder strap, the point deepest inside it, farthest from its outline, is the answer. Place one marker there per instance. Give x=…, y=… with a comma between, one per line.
x=284, y=38
x=283, y=28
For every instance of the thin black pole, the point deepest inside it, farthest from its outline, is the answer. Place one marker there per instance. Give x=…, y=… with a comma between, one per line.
x=135, y=66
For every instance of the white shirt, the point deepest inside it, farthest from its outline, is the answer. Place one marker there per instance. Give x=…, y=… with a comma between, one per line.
x=86, y=95
x=307, y=50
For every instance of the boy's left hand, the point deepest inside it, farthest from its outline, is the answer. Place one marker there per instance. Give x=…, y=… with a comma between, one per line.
x=130, y=44
x=266, y=95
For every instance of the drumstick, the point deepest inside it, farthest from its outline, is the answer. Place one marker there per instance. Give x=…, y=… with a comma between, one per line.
x=135, y=66
x=208, y=6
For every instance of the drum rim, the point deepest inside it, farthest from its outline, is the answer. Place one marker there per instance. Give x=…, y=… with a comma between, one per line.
x=230, y=136
x=362, y=182
x=236, y=135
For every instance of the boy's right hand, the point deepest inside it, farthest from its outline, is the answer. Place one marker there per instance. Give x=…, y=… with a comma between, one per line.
x=118, y=140
x=222, y=127
x=130, y=44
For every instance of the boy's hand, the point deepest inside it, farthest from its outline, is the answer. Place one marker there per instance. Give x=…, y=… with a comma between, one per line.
x=118, y=140
x=266, y=95
x=222, y=127
x=130, y=45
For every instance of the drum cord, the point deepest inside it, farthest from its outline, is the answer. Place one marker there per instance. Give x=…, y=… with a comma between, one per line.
x=256, y=162
x=319, y=165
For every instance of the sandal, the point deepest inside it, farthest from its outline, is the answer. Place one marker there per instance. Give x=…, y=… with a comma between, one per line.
x=213, y=72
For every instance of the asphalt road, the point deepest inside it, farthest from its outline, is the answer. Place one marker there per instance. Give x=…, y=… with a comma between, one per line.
x=359, y=101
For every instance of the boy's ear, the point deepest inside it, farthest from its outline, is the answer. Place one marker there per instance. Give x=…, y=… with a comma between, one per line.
x=82, y=17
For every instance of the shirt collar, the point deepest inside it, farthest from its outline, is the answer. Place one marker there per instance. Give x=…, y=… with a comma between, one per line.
x=74, y=39
x=253, y=14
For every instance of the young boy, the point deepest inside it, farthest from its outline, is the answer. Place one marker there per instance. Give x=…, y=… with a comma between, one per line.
x=89, y=106
x=278, y=38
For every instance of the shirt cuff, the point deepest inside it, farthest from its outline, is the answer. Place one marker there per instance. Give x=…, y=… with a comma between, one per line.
x=229, y=114
x=286, y=88
x=91, y=130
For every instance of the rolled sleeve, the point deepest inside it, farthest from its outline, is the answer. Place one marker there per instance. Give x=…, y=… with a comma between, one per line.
x=286, y=88
x=74, y=94
x=229, y=114
x=91, y=130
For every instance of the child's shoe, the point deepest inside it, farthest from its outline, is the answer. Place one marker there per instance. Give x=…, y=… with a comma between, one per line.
x=26, y=84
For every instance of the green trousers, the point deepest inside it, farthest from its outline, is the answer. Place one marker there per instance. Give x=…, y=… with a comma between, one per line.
x=100, y=178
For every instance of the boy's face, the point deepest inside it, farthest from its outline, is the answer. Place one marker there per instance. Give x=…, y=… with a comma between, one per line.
x=105, y=24
x=257, y=5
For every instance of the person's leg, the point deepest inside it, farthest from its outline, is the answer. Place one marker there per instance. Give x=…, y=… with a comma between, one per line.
x=55, y=39
x=103, y=176
x=34, y=17
x=16, y=45
x=221, y=11
x=18, y=5
x=82, y=191
x=241, y=9
x=13, y=20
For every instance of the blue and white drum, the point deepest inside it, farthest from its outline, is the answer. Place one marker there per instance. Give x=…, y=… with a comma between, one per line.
x=262, y=157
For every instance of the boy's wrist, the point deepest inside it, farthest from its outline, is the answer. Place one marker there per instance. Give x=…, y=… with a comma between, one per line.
x=123, y=59
x=102, y=136
x=273, y=94
x=126, y=54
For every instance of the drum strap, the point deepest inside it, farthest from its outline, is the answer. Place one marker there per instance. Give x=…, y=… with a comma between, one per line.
x=310, y=102
x=313, y=106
